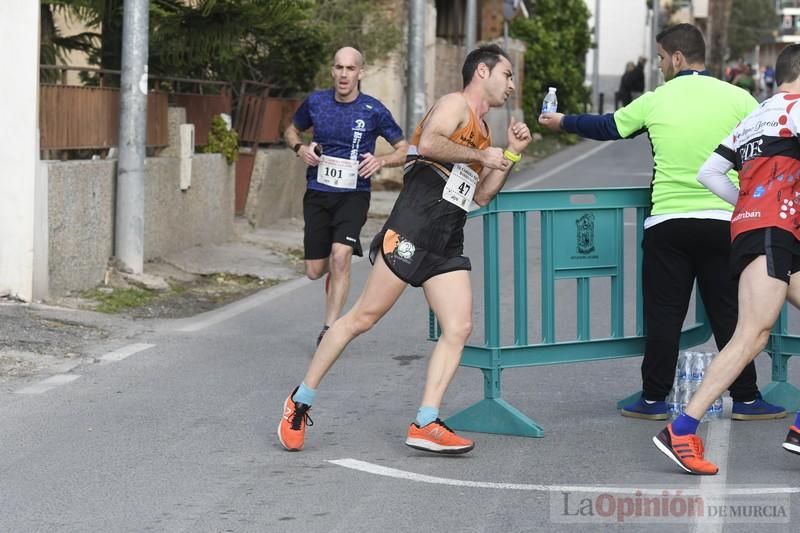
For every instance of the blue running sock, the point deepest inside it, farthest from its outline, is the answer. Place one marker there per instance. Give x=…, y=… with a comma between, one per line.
x=797, y=420
x=685, y=425
x=426, y=415
x=304, y=394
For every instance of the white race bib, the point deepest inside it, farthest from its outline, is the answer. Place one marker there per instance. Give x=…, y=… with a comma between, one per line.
x=337, y=172
x=460, y=187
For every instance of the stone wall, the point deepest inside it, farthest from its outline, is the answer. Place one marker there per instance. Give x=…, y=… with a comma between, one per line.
x=81, y=201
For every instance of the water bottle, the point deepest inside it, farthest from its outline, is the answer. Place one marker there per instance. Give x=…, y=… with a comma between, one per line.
x=698, y=368
x=550, y=103
x=715, y=411
x=686, y=395
x=673, y=399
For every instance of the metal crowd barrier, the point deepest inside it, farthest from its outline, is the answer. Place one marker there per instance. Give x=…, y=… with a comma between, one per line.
x=582, y=237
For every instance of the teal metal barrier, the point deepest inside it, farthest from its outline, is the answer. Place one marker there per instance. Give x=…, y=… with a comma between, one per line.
x=582, y=237
x=781, y=346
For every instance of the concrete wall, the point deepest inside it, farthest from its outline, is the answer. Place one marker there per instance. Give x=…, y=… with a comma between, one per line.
x=202, y=214
x=81, y=214
x=277, y=186
x=81, y=218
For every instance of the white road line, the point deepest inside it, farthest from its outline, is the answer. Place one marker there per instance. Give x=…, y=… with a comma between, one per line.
x=562, y=166
x=242, y=306
x=125, y=351
x=47, y=384
x=718, y=440
x=386, y=471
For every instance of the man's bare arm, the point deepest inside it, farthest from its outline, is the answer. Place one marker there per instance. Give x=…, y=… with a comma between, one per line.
x=448, y=115
x=371, y=164
x=306, y=152
x=492, y=180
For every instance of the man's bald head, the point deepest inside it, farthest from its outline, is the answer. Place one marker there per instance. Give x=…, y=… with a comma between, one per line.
x=347, y=71
x=348, y=55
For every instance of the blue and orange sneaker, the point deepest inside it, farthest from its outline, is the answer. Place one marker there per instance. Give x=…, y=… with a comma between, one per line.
x=792, y=442
x=647, y=411
x=758, y=410
x=686, y=451
x=292, y=427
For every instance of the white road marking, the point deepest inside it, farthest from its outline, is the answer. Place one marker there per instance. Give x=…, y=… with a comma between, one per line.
x=718, y=440
x=386, y=471
x=562, y=166
x=47, y=384
x=242, y=306
x=125, y=351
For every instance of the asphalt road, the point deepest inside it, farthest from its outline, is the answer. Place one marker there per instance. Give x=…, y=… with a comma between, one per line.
x=176, y=431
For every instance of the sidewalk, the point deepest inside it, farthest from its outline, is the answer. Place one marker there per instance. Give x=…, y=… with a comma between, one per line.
x=54, y=337
x=271, y=253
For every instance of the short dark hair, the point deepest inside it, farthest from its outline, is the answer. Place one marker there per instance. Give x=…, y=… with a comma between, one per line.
x=488, y=54
x=787, y=67
x=686, y=39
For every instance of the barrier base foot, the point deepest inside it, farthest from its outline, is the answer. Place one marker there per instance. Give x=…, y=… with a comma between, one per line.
x=784, y=394
x=495, y=416
x=630, y=399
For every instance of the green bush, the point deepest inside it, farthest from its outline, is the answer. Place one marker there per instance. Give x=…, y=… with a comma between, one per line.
x=557, y=37
x=223, y=141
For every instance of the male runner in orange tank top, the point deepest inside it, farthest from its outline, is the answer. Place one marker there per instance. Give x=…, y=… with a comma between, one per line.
x=451, y=166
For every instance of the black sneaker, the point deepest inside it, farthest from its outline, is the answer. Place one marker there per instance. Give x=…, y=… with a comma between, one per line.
x=792, y=442
x=322, y=334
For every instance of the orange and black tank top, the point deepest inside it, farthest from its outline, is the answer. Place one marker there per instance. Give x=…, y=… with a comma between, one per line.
x=470, y=135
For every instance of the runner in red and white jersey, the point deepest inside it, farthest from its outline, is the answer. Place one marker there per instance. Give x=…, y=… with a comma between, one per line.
x=764, y=148
x=765, y=253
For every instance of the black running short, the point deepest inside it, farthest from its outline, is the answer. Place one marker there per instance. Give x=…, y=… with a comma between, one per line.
x=410, y=263
x=333, y=217
x=778, y=245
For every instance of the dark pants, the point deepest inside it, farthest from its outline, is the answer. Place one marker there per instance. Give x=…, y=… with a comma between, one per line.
x=677, y=252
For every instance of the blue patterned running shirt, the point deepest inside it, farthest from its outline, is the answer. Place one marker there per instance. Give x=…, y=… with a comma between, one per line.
x=345, y=130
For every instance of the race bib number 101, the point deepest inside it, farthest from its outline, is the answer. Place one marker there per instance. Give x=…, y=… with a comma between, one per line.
x=337, y=172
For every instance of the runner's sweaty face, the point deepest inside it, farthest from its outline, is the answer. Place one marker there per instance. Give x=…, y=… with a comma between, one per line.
x=500, y=83
x=346, y=71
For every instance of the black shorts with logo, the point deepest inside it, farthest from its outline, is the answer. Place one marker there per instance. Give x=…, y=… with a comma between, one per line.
x=779, y=246
x=411, y=263
x=333, y=217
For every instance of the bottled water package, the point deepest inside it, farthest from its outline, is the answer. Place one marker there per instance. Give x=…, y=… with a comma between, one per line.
x=689, y=373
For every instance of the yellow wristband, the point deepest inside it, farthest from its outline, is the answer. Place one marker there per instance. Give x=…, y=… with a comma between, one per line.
x=511, y=156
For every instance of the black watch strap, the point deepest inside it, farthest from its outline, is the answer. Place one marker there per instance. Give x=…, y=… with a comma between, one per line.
x=296, y=147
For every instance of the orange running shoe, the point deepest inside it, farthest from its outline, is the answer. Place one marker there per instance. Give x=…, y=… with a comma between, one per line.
x=292, y=427
x=438, y=438
x=686, y=450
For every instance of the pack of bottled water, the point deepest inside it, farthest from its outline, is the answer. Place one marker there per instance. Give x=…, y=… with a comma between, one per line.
x=689, y=374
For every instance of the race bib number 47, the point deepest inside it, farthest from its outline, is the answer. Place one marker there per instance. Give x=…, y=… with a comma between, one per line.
x=337, y=172
x=460, y=187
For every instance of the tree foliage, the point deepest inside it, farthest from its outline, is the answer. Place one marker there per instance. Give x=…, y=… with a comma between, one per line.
x=751, y=23
x=285, y=43
x=557, y=38
x=362, y=24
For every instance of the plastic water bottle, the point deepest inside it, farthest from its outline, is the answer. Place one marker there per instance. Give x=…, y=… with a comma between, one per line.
x=677, y=397
x=715, y=411
x=550, y=103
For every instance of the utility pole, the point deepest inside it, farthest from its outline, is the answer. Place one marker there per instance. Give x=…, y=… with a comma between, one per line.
x=129, y=228
x=470, y=23
x=596, y=58
x=654, y=59
x=415, y=92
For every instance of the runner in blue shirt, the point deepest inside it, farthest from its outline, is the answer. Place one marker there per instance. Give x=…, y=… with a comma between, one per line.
x=341, y=160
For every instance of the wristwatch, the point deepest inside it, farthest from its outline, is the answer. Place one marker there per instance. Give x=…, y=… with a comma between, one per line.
x=296, y=147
